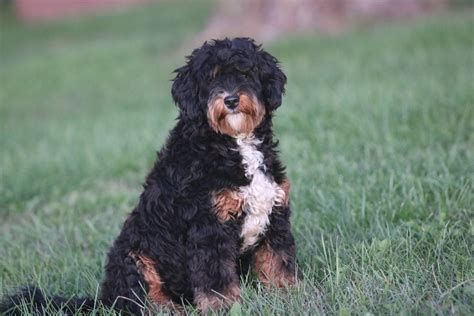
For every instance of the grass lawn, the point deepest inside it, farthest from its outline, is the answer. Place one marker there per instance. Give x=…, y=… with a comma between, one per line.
x=377, y=131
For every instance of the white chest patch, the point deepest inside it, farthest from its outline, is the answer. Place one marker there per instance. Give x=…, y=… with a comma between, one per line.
x=260, y=196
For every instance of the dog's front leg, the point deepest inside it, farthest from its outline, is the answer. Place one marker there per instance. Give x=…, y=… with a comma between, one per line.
x=274, y=260
x=211, y=252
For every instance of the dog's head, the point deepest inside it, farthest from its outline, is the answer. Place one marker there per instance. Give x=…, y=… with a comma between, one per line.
x=234, y=83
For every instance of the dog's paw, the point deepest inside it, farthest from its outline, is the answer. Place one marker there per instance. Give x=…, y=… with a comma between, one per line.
x=206, y=302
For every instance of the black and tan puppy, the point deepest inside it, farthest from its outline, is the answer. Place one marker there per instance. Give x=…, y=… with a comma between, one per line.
x=216, y=202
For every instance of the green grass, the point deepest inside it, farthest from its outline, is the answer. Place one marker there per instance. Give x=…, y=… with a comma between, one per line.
x=377, y=130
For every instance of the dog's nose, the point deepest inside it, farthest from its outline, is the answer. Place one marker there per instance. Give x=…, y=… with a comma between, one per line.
x=231, y=101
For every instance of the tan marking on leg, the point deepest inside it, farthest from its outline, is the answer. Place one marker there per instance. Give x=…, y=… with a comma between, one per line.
x=227, y=205
x=216, y=301
x=207, y=302
x=146, y=267
x=285, y=186
x=269, y=267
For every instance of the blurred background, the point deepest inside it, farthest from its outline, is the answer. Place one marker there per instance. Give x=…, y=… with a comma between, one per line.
x=261, y=19
x=376, y=129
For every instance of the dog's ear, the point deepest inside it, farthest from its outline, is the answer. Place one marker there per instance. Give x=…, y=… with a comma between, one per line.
x=185, y=92
x=272, y=79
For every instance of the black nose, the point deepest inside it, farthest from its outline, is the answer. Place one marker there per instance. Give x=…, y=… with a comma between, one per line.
x=232, y=101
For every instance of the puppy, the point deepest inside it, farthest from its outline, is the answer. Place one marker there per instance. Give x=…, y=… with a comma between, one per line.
x=216, y=202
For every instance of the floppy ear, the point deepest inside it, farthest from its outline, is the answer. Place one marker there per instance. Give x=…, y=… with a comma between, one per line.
x=272, y=79
x=185, y=92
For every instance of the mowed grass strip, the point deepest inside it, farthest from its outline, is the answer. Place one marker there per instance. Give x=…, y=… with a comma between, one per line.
x=377, y=131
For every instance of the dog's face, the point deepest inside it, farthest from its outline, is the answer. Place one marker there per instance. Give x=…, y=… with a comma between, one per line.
x=233, y=83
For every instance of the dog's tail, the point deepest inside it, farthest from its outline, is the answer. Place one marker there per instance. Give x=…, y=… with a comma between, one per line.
x=43, y=305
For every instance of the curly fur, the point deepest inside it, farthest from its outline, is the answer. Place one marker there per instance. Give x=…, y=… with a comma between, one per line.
x=215, y=203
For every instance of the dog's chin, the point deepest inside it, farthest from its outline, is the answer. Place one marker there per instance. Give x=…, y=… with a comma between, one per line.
x=235, y=122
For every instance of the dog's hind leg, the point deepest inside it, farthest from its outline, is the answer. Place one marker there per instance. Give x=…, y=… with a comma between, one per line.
x=212, y=265
x=123, y=286
x=156, y=292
